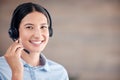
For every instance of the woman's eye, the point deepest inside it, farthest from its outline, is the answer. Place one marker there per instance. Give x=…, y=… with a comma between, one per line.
x=29, y=27
x=44, y=27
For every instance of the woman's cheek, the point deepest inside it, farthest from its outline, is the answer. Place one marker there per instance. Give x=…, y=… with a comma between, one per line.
x=24, y=35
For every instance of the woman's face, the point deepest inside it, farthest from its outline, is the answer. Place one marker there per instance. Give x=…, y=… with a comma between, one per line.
x=33, y=32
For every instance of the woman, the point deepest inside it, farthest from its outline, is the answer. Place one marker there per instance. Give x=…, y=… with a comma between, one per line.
x=30, y=29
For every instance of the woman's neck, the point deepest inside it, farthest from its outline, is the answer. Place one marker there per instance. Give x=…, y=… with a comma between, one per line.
x=32, y=58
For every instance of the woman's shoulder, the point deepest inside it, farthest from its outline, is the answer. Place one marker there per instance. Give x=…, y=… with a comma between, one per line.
x=2, y=60
x=58, y=68
x=3, y=63
x=55, y=66
x=5, y=70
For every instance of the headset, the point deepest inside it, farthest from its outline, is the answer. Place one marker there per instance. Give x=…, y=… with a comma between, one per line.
x=14, y=33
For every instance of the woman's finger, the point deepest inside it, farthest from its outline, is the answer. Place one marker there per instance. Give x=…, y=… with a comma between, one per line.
x=14, y=47
x=19, y=51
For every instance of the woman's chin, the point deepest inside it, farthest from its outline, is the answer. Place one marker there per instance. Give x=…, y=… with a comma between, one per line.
x=35, y=51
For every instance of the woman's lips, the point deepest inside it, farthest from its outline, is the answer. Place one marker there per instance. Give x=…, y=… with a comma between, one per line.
x=36, y=43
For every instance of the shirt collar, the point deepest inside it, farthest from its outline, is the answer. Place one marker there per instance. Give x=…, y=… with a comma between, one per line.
x=44, y=64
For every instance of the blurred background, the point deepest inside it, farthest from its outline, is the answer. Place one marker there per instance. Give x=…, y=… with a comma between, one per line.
x=86, y=38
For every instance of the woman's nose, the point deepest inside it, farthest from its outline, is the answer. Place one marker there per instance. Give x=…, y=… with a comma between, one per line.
x=37, y=33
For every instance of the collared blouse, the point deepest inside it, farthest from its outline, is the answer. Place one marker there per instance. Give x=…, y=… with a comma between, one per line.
x=49, y=70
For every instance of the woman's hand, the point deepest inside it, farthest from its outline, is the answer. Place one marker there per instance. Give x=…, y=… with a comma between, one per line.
x=13, y=58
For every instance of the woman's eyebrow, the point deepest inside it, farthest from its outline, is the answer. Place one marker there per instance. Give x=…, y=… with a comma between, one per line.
x=28, y=24
x=33, y=24
x=44, y=24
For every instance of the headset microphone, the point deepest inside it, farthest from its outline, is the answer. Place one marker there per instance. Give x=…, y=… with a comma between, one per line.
x=26, y=51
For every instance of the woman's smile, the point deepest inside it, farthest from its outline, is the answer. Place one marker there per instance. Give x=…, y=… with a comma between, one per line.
x=36, y=43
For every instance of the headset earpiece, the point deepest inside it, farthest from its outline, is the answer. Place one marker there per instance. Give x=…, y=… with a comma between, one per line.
x=13, y=33
x=50, y=23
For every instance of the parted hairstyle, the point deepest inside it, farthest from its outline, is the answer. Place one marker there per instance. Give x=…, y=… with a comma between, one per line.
x=20, y=12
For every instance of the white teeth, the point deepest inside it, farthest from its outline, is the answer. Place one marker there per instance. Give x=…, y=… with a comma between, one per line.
x=37, y=42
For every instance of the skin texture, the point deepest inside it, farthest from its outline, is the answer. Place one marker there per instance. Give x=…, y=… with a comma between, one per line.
x=33, y=36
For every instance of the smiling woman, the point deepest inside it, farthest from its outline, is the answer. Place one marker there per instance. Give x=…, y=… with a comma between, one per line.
x=30, y=29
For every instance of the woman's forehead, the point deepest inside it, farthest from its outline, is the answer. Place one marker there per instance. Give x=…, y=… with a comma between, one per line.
x=35, y=16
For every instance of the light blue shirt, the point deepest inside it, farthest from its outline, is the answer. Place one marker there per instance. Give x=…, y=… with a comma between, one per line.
x=49, y=70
